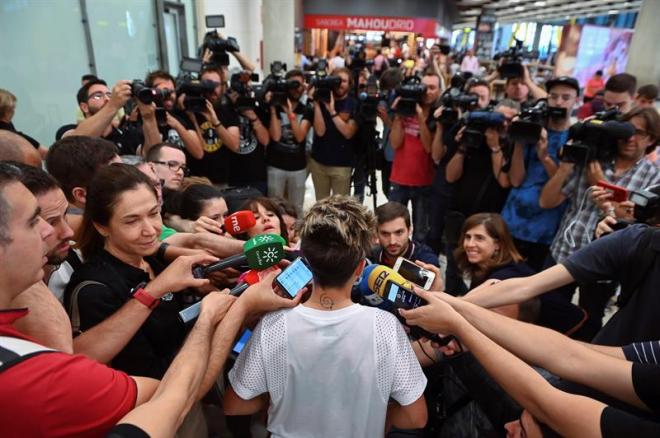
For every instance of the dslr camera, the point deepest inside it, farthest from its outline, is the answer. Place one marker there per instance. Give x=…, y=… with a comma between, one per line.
x=248, y=95
x=196, y=92
x=476, y=124
x=454, y=98
x=324, y=86
x=148, y=95
x=411, y=92
x=527, y=129
x=277, y=85
x=219, y=47
x=596, y=139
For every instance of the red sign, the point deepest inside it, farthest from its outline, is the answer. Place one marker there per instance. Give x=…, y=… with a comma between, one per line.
x=425, y=26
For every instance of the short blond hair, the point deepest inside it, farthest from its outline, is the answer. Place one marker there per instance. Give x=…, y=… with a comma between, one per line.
x=7, y=102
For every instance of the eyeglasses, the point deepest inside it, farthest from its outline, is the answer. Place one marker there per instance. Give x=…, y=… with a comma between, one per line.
x=641, y=133
x=174, y=166
x=100, y=95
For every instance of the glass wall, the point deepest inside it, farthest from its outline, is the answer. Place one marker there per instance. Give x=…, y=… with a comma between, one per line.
x=43, y=52
x=124, y=38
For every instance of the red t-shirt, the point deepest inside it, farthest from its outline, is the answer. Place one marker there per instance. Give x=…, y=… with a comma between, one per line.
x=593, y=87
x=412, y=165
x=56, y=394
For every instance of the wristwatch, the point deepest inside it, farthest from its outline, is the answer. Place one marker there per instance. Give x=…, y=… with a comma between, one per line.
x=140, y=294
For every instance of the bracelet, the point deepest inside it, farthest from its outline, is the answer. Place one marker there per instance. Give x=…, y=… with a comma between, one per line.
x=217, y=125
x=161, y=250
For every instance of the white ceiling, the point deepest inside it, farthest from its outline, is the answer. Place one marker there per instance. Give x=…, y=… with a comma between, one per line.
x=508, y=11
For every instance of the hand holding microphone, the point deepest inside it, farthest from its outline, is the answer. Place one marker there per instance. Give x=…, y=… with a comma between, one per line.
x=234, y=224
x=259, y=252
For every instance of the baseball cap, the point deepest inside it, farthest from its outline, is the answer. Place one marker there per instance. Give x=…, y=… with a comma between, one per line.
x=563, y=80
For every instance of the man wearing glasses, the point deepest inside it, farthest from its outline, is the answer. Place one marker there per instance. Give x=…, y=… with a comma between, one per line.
x=169, y=164
x=99, y=106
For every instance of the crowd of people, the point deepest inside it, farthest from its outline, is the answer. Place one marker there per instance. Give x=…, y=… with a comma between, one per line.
x=103, y=233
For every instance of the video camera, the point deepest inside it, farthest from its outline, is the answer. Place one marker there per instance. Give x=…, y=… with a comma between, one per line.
x=277, y=85
x=248, y=95
x=195, y=91
x=596, y=139
x=511, y=66
x=411, y=92
x=148, y=95
x=455, y=98
x=217, y=45
x=324, y=86
x=368, y=100
x=476, y=124
x=647, y=205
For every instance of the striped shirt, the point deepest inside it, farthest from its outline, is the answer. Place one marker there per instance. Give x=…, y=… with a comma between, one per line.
x=581, y=217
x=643, y=352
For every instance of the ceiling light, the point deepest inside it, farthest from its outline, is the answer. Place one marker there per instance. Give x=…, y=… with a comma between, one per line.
x=514, y=1
x=612, y=12
x=539, y=3
x=519, y=8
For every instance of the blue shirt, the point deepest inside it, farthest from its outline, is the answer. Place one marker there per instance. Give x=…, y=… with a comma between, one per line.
x=522, y=212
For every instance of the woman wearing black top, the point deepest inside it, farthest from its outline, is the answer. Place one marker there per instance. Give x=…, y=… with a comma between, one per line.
x=487, y=253
x=122, y=295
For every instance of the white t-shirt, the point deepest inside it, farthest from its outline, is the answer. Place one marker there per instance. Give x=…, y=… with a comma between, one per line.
x=328, y=373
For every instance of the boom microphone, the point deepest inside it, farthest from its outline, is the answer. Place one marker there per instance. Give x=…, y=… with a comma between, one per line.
x=239, y=222
x=259, y=252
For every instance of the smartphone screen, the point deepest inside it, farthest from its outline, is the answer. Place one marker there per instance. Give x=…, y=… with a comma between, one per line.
x=401, y=297
x=414, y=273
x=240, y=344
x=296, y=276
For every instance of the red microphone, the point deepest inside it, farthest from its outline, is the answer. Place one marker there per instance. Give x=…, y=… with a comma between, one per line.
x=239, y=222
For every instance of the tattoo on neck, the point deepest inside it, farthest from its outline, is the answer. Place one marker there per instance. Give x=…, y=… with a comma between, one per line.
x=326, y=302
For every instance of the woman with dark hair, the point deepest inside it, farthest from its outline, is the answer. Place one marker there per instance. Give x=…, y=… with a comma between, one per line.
x=122, y=294
x=268, y=215
x=203, y=204
x=487, y=252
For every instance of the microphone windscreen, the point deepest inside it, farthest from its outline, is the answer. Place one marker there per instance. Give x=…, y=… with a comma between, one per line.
x=239, y=222
x=379, y=276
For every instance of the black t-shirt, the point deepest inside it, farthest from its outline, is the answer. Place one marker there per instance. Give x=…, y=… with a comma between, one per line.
x=170, y=135
x=215, y=163
x=623, y=256
x=333, y=149
x=615, y=423
x=248, y=165
x=10, y=127
x=477, y=191
x=128, y=137
x=153, y=347
x=510, y=270
x=126, y=430
x=288, y=154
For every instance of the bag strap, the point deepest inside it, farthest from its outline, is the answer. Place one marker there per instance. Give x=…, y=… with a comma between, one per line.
x=74, y=311
x=15, y=350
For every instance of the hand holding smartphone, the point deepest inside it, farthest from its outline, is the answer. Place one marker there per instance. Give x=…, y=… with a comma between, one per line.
x=619, y=194
x=411, y=272
x=295, y=277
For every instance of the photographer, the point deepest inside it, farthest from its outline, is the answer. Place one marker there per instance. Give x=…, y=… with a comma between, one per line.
x=388, y=82
x=178, y=129
x=247, y=161
x=215, y=129
x=412, y=168
x=286, y=154
x=532, y=165
x=480, y=182
x=99, y=107
x=332, y=150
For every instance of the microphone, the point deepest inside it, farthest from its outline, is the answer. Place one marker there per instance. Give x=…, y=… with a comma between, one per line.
x=259, y=252
x=239, y=222
x=386, y=289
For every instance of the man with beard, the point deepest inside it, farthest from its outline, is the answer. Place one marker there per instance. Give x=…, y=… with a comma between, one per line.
x=100, y=106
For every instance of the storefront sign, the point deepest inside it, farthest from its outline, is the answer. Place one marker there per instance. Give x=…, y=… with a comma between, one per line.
x=425, y=26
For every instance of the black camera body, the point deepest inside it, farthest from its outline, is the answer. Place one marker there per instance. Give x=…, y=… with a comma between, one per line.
x=195, y=92
x=647, y=205
x=368, y=100
x=511, y=66
x=277, y=85
x=248, y=95
x=527, y=129
x=476, y=124
x=148, y=95
x=324, y=86
x=454, y=99
x=596, y=139
x=219, y=47
x=410, y=92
